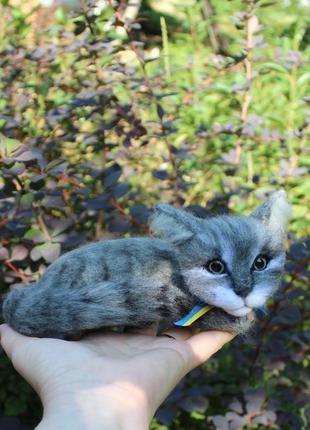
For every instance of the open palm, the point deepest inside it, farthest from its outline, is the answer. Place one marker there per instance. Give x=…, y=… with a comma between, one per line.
x=136, y=370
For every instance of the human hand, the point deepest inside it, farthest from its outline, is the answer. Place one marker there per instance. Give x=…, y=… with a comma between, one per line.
x=107, y=380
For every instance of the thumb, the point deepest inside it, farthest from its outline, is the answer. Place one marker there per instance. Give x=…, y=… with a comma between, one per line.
x=205, y=344
x=11, y=341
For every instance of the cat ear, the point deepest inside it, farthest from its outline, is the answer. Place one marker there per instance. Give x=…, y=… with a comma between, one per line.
x=275, y=213
x=172, y=224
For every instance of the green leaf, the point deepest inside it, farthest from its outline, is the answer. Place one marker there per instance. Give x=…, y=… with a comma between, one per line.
x=35, y=235
x=300, y=211
x=303, y=79
x=221, y=88
x=80, y=26
x=60, y=15
x=272, y=66
x=269, y=3
x=49, y=251
x=198, y=416
x=7, y=145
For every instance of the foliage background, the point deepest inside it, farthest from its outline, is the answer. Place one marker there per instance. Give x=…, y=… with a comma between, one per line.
x=206, y=109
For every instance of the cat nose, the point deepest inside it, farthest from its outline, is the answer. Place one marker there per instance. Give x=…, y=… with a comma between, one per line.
x=244, y=292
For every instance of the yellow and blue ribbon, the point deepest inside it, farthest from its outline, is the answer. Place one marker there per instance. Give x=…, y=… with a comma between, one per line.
x=197, y=312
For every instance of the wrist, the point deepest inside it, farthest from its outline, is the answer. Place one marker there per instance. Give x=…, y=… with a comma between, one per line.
x=68, y=417
x=94, y=409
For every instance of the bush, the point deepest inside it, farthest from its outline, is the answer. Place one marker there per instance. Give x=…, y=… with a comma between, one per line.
x=95, y=129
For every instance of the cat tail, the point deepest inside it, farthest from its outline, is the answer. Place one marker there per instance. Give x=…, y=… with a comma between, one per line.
x=54, y=312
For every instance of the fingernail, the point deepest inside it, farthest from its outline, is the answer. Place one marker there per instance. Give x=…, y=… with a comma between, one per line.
x=167, y=335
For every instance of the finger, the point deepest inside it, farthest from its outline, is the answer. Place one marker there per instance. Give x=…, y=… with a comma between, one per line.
x=205, y=344
x=146, y=331
x=178, y=333
x=11, y=340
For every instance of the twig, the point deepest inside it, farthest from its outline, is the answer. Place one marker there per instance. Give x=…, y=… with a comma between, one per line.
x=43, y=227
x=99, y=223
x=88, y=22
x=4, y=221
x=130, y=218
x=217, y=40
x=16, y=271
x=251, y=24
x=235, y=67
x=172, y=157
x=71, y=181
x=127, y=13
x=164, y=35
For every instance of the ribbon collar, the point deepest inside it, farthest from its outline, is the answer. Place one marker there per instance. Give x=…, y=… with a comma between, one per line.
x=197, y=312
x=201, y=309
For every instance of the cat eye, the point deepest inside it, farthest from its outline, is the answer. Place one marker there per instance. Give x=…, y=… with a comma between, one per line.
x=260, y=262
x=217, y=267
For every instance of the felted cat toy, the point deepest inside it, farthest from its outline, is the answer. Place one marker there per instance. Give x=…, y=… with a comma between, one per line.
x=226, y=265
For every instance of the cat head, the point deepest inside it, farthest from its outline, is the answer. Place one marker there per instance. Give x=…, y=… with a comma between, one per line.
x=232, y=262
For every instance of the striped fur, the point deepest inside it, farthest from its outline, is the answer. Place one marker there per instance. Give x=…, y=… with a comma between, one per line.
x=134, y=282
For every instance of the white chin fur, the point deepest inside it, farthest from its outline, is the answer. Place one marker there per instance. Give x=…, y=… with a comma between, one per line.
x=259, y=296
x=239, y=312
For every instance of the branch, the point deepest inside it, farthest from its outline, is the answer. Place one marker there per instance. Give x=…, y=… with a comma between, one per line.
x=88, y=22
x=130, y=218
x=72, y=181
x=218, y=41
x=43, y=227
x=251, y=25
x=20, y=274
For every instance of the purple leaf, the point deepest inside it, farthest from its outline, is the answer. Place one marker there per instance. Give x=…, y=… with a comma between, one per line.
x=166, y=415
x=236, y=406
x=237, y=423
x=267, y=417
x=56, y=167
x=230, y=156
x=254, y=401
x=4, y=253
x=220, y=422
x=160, y=111
x=232, y=416
x=119, y=224
x=288, y=316
x=19, y=253
x=35, y=253
x=50, y=251
x=140, y=213
x=160, y=174
x=36, y=236
x=53, y=201
x=60, y=225
x=33, y=154
x=97, y=203
x=194, y=404
x=112, y=178
x=294, y=294
x=119, y=190
x=276, y=365
x=16, y=170
x=74, y=240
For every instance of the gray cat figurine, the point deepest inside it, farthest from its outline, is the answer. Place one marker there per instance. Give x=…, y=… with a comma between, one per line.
x=233, y=263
